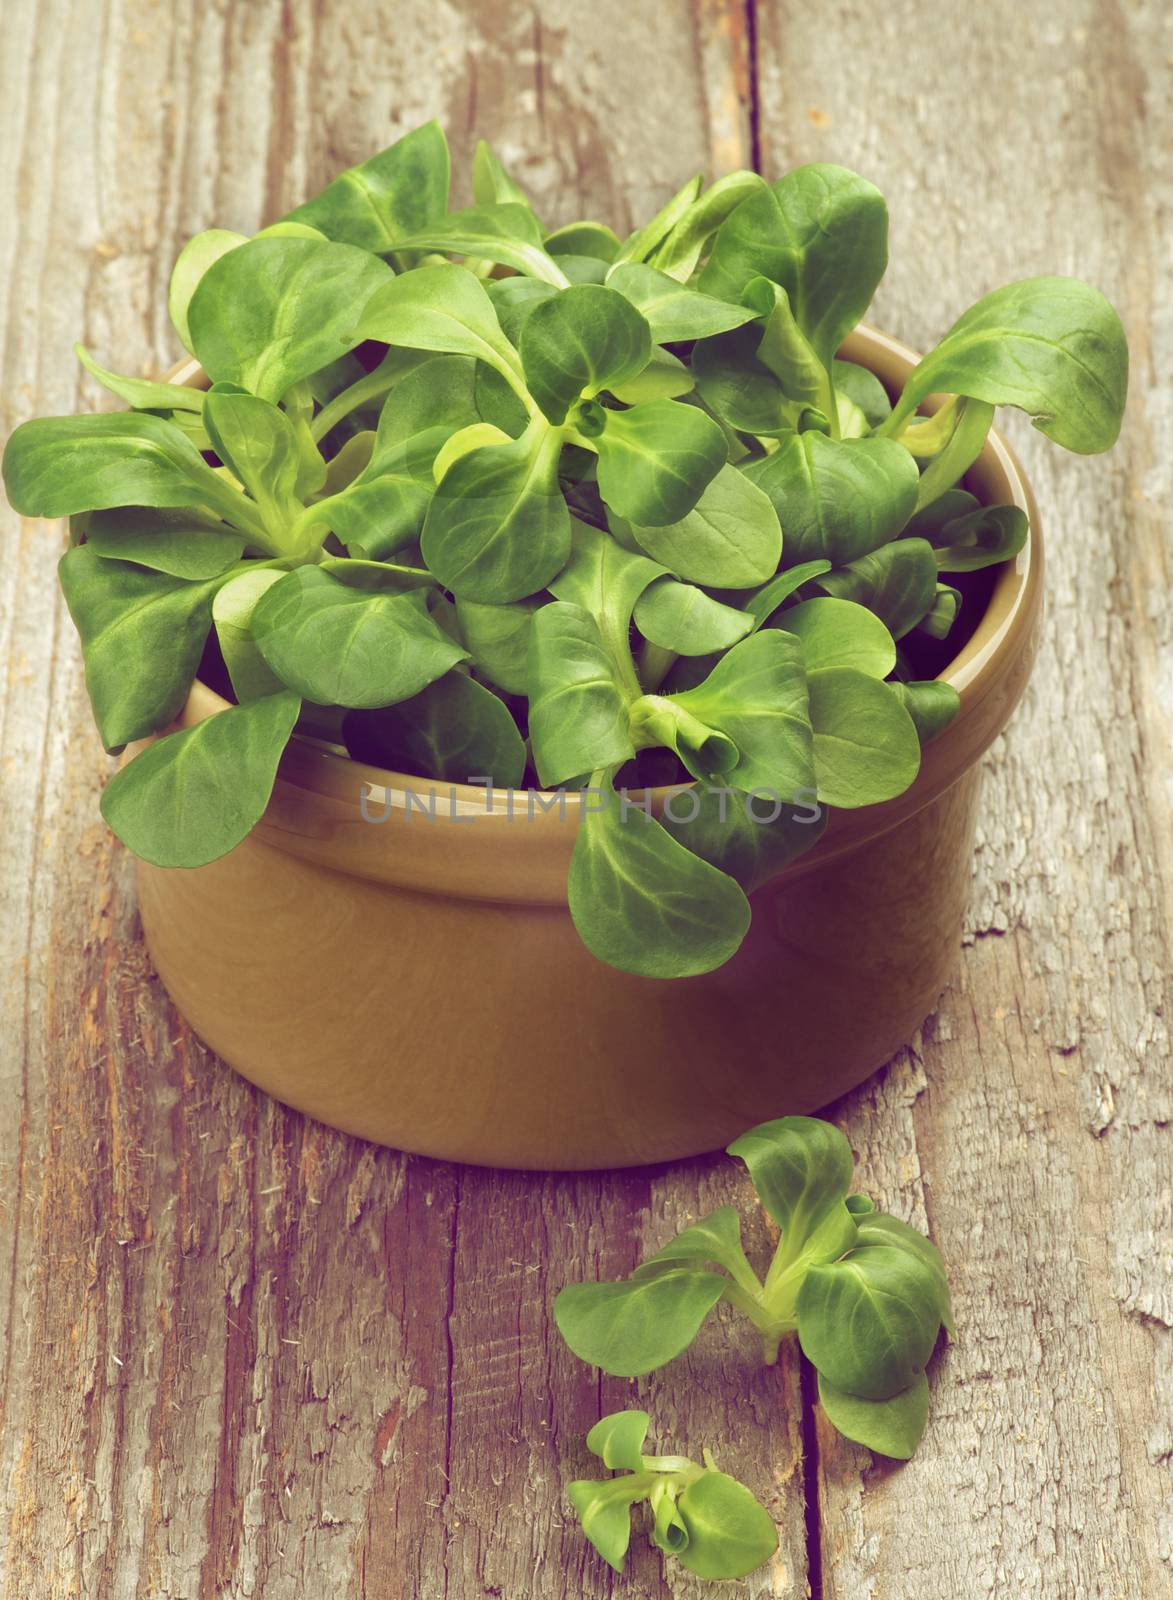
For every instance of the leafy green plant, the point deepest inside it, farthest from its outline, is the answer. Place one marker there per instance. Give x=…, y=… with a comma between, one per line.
x=711, y=1523
x=864, y=1294
x=569, y=510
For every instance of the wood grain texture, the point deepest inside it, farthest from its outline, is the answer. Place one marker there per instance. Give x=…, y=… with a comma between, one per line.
x=1030, y=1128
x=243, y=1356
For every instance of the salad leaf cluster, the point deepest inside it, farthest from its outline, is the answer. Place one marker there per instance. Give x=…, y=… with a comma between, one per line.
x=711, y=1523
x=864, y=1294
x=573, y=511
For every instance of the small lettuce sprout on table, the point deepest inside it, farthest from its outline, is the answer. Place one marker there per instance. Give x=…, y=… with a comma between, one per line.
x=707, y=1520
x=865, y=1294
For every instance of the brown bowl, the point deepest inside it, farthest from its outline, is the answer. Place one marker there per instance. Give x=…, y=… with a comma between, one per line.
x=418, y=980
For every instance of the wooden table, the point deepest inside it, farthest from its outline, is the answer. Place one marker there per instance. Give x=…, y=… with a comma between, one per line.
x=246, y=1356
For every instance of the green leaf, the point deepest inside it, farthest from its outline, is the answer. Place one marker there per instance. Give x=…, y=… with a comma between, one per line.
x=440, y=392
x=784, y=350
x=497, y=638
x=507, y=233
x=891, y=1427
x=343, y=646
x=980, y=538
x=865, y=743
x=863, y=389
x=730, y=1533
x=928, y=522
x=466, y=439
x=668, y=1530
x=351, y=404
x=497, y=402
x=283, y=228
x=868, y=1322
x=455, y=730
x=299, y=406
x=632, y=1327
x=837, y=499
x=756, y=695
x=839, y=633
x=384, y=507
x=641, y=243
x=579, y=342
x=604, y=1510
x=583, y=269
x=497, y=528
x=460, y=443
x=256, y=442
x=56, y=466
x=656, y=460
x=942, y=614
x=730, y=538
x=514, y=299
x=142, y=636
x=273, y=311
x=1053, y=347
x=664, y=378
x=183, y=543
x=377, y=575
x=740, y=389
x=681, y=248
x=898, y=583
x=683, y=618
x=656, y=719
x=577, y=701
x=491, y=184
x=441, y=308
x=717, y=825
x=672, y=311
x=877, y=1228
x=716, y=1237
x=801, y=1168
x=820, y=232
x=953, y=449
x=342, y=469
x=197, y=255
x=932, y=705
x=192, y=427
x=378, y=203
x=643, y=903
x=232, y=613
x=764, y=602
x=607, y=580
x=619, y=1439
x=189, y=797
x=141, y=392
x=583, y=239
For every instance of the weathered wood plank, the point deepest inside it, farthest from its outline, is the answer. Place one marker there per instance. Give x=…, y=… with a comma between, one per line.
x=243, y=1355
x=1032, y=1128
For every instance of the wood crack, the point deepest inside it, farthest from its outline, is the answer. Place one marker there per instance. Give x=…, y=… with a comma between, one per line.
x=812, y=1500
x=450, y=1370
x=755, y=132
